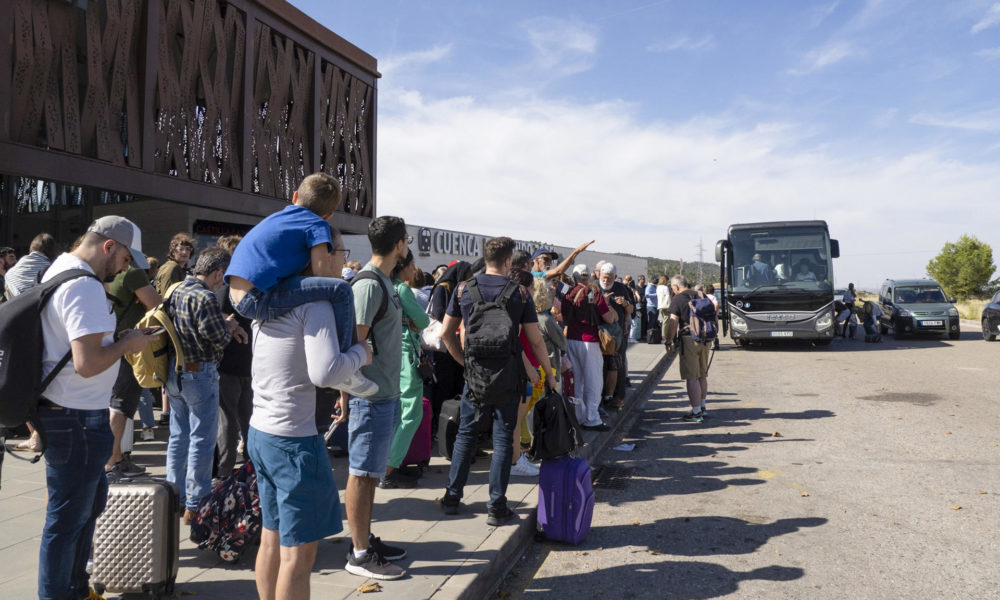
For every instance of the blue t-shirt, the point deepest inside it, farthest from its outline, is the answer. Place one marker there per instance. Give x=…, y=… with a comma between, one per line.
x=278, y=247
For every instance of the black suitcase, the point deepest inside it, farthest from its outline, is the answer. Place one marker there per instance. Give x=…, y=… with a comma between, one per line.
x=451, y=412
x=137, y=538
x=654, y=336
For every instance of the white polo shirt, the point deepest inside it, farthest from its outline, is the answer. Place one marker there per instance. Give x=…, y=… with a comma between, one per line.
x=78, y=308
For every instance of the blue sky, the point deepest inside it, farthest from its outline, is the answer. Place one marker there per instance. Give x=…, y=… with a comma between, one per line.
x=653, y=125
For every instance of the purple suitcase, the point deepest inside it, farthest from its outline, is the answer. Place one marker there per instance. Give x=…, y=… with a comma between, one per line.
x=565, y=499
x=420, y=448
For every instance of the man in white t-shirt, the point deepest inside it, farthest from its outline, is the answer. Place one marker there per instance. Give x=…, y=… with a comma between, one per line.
x=73, y=412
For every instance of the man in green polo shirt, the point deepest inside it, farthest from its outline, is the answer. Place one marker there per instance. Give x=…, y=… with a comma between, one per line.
x=133, y=296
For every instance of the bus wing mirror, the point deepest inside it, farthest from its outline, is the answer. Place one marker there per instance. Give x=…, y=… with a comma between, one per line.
x=834, y=249
x=719, y=249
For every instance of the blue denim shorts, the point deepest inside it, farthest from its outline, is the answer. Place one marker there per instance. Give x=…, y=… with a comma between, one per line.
x=298, y=497
x=370, y=428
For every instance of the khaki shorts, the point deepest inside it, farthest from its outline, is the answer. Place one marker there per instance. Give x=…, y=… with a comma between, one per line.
x=694, y=358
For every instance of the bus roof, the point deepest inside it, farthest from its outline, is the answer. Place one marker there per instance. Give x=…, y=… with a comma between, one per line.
x=773, y=224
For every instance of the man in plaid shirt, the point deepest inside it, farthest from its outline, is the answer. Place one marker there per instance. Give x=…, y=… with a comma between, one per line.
x=194, y=393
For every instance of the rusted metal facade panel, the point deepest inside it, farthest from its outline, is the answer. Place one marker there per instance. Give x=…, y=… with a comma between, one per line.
x=236, y=100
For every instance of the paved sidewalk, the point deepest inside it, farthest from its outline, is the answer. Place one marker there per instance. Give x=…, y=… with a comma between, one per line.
x=448, y=556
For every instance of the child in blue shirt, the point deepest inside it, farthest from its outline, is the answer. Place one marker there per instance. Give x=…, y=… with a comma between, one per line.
x=264, y=275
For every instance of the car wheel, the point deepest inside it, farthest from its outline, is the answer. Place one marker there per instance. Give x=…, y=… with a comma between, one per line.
x=988, y=334
x=954, y=335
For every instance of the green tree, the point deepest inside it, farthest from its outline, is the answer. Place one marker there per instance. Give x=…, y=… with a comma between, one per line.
x=964, y=267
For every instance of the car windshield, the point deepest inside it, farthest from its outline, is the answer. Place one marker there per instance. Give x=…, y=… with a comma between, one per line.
x=781, y=258
x=920, y=295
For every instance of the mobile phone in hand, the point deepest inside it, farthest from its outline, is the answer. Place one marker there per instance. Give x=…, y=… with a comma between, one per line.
x=153, y=330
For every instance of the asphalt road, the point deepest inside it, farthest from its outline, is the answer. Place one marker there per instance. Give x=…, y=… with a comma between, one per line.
x=852, y=471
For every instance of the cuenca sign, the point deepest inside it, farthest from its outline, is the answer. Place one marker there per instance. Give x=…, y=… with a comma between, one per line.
x=453, y=243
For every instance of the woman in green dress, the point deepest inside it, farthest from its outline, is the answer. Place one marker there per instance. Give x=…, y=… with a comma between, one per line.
x=411, y=386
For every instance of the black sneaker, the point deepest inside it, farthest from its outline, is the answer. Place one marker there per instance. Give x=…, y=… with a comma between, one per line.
x=692, y=418
x=130, y=469
x=450, y=504
x=498, y=517
x=394, y=481
x=372, y=564
x=388, y=552
x=704, y=413
x=165, y=419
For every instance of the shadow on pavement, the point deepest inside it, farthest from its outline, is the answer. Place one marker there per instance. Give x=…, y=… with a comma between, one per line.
x=656, y=580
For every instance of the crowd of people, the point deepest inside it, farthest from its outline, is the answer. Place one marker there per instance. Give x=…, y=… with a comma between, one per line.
x=270, y=324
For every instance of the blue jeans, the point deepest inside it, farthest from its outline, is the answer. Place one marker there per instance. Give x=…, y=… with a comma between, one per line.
x=504, y=421
x=78, y=444
x=194, y=423
x=146, y=408
x=870, y=327
x=296, y=291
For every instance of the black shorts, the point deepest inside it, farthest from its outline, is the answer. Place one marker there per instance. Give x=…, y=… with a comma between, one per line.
x=126, y=392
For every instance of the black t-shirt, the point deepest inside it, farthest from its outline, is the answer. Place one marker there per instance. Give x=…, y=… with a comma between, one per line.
x=679, y=306
x=617, y=290
x=237, y=358
x=521, y=307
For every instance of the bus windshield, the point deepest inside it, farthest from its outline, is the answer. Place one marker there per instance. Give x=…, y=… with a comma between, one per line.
x=784, y=258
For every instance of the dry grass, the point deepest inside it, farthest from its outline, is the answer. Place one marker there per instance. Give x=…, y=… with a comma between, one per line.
x=971, y=309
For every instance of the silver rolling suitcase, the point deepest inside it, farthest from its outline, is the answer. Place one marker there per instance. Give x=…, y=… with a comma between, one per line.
x=137, y=539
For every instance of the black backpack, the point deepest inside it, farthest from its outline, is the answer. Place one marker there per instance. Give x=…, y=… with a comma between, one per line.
x=555, y=431
x=21, y=347
x=382, y=307
x=493, y=367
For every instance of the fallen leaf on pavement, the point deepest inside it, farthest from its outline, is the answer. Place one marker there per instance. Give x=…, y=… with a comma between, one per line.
x=804, y=494
x=369, y=587
x=776, y=434
x=956, y=507
x=947, y=433
x=655, y=552
x=636, y=522
x=713, y=455
x=895, y=523
x=981, y=492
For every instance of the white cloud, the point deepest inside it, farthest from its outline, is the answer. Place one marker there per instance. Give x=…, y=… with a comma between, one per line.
x=821, y=58
x=989, y=53
x=563, y=173
x=685, y=43
x=561, y=47
x=990, y=19
x=414, y=59
x=984, y=121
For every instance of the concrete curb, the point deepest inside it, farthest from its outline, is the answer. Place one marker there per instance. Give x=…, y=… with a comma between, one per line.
x=486, y=582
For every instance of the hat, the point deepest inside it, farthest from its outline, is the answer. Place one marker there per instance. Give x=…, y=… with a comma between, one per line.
x=347, y=273
x=608, y=268
x=543, y=250
x=125, y=233
x=580, y=269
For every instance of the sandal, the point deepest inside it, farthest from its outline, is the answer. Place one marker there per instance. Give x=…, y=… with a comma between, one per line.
x=32, y=444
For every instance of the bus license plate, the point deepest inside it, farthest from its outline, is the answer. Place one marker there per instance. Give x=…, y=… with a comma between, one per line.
x=781, y=334
x=932, y=323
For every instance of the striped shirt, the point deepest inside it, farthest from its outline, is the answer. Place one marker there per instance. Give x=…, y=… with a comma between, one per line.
x=202, y=329
x=25, y=274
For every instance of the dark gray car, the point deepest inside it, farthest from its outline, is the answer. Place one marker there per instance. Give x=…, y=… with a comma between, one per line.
x=991, y=318
x=916, y=307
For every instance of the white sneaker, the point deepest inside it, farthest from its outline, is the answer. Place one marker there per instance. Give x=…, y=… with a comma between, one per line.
x=359, y=386
x=524, y=468
x=147, y=434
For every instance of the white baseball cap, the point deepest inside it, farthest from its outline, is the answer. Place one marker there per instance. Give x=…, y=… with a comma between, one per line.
x=125, y=233
x=347, y=273
x=580, y=269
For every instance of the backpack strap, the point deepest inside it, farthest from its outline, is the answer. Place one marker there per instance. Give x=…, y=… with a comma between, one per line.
x=382, y=307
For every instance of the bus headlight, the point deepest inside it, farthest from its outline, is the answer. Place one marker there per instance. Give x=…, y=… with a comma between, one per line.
x=738, y=323
x=824, y=322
